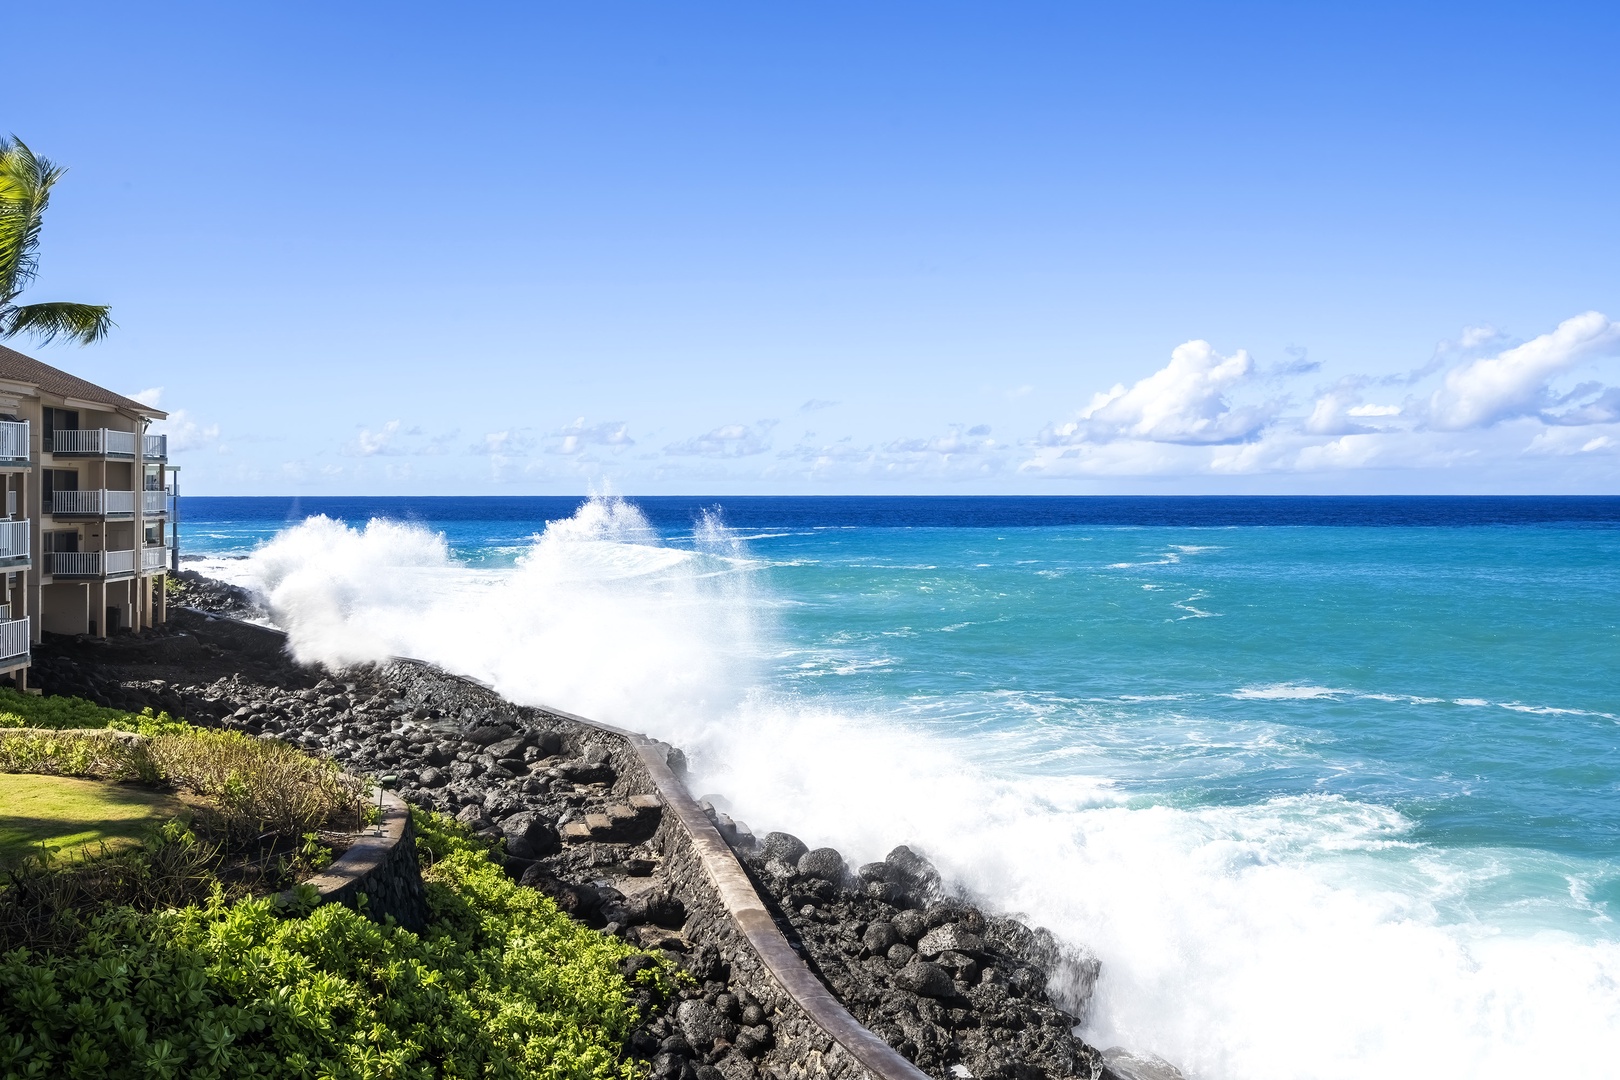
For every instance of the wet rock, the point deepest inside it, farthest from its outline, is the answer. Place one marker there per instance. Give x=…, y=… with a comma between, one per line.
x=926, y=979
x=1121, y=1064
x=948, y=938
x=784, y=848
x=880, y=937
x=910, y=925
x=912, y=871
x=824, y=863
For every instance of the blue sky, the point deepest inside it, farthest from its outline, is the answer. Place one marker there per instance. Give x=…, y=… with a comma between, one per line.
x=843, y=248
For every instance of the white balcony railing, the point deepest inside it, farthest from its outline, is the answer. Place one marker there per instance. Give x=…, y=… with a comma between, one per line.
x=74, y=563
x=14, y=639
x=93, y=441
x=14, y=440
x=155, y=447
x=154, y=557
x=14, y=540
x=97, y=502
x=154, y=502
x=94, y=564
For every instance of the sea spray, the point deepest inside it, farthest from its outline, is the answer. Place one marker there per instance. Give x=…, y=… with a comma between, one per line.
x=1296, y=935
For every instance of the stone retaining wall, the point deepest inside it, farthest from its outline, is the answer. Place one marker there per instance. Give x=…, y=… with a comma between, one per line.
x=380, y=867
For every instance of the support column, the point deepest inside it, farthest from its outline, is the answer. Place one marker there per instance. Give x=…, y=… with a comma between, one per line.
x=161, y=584
x=101, y=612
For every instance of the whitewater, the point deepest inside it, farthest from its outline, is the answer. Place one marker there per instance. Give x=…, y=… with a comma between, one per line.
x=1325, y=802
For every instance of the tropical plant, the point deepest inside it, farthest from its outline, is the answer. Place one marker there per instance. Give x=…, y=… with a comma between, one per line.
x=25, y=189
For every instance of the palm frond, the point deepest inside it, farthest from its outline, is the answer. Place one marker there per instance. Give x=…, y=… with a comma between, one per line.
x=84, y=323
x=25, y=190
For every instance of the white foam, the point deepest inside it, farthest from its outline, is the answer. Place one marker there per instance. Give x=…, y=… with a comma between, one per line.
x=1300, y=937
x=1285, y=692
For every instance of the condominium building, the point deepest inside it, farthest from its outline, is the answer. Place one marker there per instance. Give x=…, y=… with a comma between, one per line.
x=85, y=542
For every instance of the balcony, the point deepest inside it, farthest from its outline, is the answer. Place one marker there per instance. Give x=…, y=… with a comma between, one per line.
x=90, y=564
x=14, y=544
x=95, y=503
x=154, y=557
x=93, y=442
x=154, y=502
x=14, y=441
x=155, y=447
x=14, y=642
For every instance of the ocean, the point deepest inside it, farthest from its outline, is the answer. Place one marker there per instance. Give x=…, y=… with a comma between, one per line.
x=1331, y=787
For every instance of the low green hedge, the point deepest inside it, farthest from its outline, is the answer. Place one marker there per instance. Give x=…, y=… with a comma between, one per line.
x=502, y=984
x=19, y=710
x=261, y=785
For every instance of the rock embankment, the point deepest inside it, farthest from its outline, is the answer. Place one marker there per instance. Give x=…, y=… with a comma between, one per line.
x=960, y=992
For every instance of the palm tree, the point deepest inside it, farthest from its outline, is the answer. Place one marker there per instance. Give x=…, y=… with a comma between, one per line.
x=25, y=189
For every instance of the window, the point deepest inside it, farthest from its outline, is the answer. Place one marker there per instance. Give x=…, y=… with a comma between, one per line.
x=60, y=419
x=62, y=540
x=54, y=480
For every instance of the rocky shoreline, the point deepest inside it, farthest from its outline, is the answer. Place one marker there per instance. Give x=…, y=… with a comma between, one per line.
x=958, y=991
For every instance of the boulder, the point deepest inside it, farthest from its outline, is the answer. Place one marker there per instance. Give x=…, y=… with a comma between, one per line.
x=784, y=848
x=576, y=900
x=948, y=938
x=704, y=1025
x=910, y=924
x=880, y=937
x=507, y=748
x=473, y=817
x=824, y=863
x=660, y=909
x=530, y=836
x=928, y=980
x=488, y=734
x=910, y=869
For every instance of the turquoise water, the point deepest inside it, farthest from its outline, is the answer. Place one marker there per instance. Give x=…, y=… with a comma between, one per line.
x=1328, y=788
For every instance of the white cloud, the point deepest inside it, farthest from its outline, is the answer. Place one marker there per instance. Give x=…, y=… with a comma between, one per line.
x=578, y=435
x=816, y=405
x=957, y=440
x=1183, y=402
x=730, y=441
x=150, y=396
x=1570, y=442
x=184, y=432
x=370, y=443
x=1375, y=410
x=1515, y=382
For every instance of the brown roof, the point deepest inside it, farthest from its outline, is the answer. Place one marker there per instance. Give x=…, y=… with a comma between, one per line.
x=25, y=369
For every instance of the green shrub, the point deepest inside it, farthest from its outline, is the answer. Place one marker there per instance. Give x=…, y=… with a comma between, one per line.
x=503, y=984
x=18, y=710
x=262, y=785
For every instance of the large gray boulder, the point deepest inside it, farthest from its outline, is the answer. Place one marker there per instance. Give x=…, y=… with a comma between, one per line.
x=928, y=980
x=530, y=836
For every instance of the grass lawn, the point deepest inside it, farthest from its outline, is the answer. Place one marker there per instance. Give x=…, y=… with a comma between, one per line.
x=70, y=814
